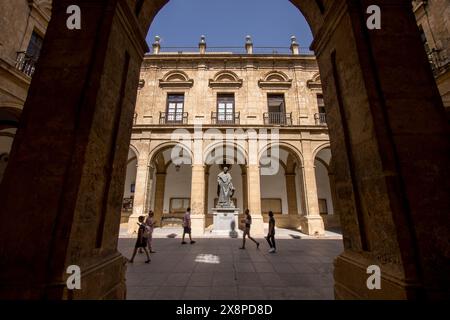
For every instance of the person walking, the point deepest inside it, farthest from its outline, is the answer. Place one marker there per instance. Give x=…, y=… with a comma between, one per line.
x=187, y=226
x=271, y=233
x=141, y=241
x=248, y=223
x=150, y=223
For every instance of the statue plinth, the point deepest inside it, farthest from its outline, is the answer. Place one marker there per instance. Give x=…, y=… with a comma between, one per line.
x=226, y=222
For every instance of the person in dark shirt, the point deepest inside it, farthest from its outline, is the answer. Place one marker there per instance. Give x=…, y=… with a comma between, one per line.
x=248, y=223
x=271, y=233
x=141, y=241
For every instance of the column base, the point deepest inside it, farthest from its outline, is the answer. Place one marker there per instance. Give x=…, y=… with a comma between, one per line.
x=312, y=225
x=197, y=224
x=104, y=279
x=350, y=276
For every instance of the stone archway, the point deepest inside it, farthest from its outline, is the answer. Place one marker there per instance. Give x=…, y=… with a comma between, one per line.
x=235, y=156
x=301, y=189
x=389, y=142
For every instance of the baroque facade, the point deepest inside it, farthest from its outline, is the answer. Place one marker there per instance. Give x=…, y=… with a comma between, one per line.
x=253, y=104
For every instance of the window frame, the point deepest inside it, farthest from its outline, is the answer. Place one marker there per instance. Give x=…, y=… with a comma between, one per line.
x=177, y=115
x=226, y=114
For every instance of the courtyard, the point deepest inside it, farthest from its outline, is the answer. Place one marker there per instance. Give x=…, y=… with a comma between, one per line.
x=216, y=269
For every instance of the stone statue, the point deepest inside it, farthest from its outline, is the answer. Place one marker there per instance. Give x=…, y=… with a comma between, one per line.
x=225, y=189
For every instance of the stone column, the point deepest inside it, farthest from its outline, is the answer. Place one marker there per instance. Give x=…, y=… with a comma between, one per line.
x=149, y=191
x=334, y=198
x=291, y=191
x=160, y=186
x=254, y=199
x=198, y=199
x=206, y=194
x=140, y=190
x=244, y=191
x=67, y=166
x=311, y=223
x=389, y=140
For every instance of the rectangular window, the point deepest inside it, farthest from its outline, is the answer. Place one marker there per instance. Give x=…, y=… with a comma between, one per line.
x=35, y=46
x=225, y=108
x=175, y=108
x=321, y=103
x=276, y=108
x=271, y=204
x=179, y=205
x=276, y=103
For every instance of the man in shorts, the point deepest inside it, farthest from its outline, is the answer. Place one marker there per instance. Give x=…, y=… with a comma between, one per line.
x=187, y=226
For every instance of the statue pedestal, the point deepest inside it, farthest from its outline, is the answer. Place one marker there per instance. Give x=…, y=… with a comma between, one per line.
x=226, y=222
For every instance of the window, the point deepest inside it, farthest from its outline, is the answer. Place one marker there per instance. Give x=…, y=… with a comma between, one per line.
x=225, y=108
x=270, y=204
x=323, y=208
x=175, y=107
x=179, y=205
x=321, y=103
x=35, y=46
x=276, y=103
x=276, y=108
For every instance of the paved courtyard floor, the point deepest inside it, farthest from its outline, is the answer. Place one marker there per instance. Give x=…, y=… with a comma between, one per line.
x=215, y=268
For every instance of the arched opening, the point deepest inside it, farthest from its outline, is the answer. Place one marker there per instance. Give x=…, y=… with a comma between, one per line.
x=326, y=191
x=217, y=156
x=129, y=187
x=164, y=184
x=283, y=188
x=390, y=151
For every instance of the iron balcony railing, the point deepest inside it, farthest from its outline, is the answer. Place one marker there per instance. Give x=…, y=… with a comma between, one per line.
x=174, y=118
x=321, y=119
x=278, y=118
x=25, y=63
x=437, y=61
x=231, y=118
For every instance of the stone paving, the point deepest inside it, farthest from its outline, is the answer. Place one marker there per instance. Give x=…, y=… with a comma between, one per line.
x=215, y=268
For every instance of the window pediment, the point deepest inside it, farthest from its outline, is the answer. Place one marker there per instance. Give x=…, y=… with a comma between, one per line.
x=275, y=80
x=315, y=83
x=176, y=79
x=225, y=79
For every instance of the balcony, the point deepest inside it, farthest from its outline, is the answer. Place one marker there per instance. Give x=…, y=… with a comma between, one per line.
x=437, y=61
x=320, y=119
x=228, y=119
x=25, y=63
x=278, y=118
x=173, y=118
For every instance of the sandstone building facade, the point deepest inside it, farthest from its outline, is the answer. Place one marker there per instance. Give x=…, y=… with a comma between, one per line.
x=219, y=100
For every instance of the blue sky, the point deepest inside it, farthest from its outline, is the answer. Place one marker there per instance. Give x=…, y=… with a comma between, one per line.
x=271, y=23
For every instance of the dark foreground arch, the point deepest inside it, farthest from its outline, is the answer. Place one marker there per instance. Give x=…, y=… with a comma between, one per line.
x=389, y=139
